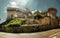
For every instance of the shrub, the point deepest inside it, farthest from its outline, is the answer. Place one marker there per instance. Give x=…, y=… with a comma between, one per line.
x=14, y=25
x=37, y=16
x=9, y=30
x=27, y=30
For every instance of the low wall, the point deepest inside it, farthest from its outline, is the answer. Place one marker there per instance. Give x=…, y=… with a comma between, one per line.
x=29, y=29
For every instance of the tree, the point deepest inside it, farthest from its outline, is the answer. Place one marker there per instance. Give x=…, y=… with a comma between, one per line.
x=37, y=15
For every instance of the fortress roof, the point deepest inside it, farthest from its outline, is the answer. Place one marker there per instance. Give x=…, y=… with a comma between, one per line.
x=12, y=9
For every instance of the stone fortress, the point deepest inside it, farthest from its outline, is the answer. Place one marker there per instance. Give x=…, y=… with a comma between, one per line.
x=49, y=15
x=16, y=12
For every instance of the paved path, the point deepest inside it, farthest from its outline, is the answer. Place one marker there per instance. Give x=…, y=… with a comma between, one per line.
x=55, y=33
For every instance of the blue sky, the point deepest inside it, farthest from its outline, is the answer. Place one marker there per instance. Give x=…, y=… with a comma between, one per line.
x=41, y=5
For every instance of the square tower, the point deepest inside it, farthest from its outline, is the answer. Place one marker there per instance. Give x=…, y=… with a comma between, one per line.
x=12, y=12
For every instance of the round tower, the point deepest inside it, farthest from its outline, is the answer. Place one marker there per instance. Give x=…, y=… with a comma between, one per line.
x=52, y=12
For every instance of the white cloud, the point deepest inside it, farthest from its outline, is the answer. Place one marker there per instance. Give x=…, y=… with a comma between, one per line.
x=35, y=11
x=24, y=2
x=5, y=11
x=13, y=4
x=21, y=2
x=40, y=11
x=18, y=3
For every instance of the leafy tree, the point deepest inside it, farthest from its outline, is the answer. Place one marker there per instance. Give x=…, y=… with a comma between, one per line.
x=37, y=16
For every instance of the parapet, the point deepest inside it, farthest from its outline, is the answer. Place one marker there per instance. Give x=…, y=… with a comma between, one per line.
x=13, y=9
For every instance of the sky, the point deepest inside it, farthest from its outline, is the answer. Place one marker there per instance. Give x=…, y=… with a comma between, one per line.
x=41, y=5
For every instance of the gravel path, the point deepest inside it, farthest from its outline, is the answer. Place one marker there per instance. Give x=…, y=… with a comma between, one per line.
x=45, y=34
